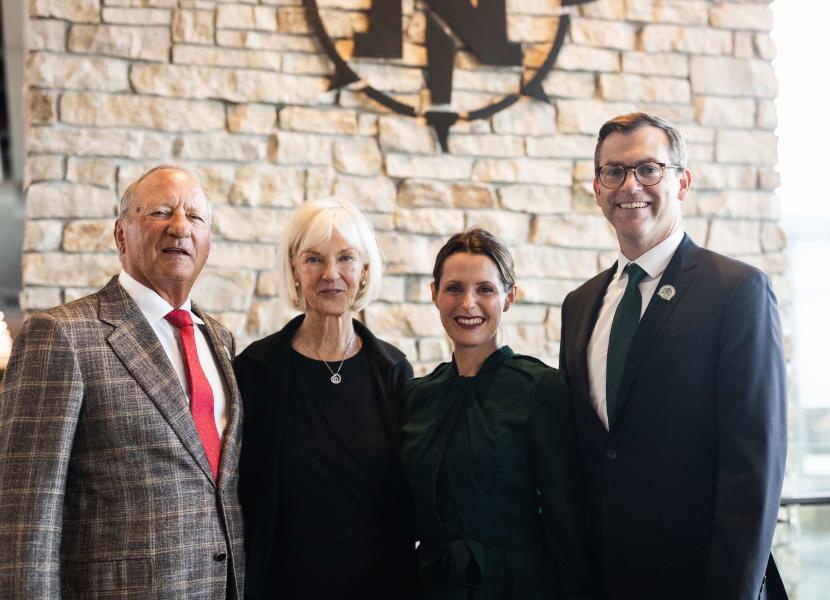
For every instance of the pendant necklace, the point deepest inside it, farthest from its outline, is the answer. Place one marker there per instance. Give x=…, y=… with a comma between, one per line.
x=335, y=375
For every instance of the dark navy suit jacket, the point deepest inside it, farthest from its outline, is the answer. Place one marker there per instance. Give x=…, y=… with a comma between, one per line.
x=683, y=491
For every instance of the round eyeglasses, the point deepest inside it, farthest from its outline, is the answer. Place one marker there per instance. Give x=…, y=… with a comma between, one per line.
x=647, y=173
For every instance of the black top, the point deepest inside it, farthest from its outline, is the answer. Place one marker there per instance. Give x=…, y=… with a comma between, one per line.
x=334, y=447
x=490, y=461
x=267, y=381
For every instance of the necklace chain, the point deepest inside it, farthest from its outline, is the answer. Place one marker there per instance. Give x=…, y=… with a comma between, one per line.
x=335, y=375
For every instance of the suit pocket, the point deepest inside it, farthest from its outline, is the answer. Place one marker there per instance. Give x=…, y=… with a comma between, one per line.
x=684, y=523
x=89, y=579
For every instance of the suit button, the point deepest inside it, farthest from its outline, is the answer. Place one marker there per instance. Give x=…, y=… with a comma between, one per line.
x=219, y=556
x=611, y=454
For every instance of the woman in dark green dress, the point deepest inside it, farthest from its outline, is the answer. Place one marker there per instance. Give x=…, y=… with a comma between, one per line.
x=488, y=449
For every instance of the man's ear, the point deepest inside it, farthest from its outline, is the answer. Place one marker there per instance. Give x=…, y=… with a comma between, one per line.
x=685, y=185
x=596, y=192
x=118, y=234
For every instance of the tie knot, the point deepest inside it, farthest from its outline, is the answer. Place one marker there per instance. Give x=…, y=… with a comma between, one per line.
x=635, y=274
x=179, y=318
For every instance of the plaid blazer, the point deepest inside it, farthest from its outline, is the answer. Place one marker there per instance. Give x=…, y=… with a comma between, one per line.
x=105, y=490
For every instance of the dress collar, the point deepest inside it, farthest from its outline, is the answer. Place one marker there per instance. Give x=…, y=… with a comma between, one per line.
x=490, y=363
x=149, y=302
x=655, y=260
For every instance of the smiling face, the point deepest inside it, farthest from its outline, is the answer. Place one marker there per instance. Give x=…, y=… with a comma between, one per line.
x=643, y=216
x=164, y=239
x=329, y=275
x=471, y=298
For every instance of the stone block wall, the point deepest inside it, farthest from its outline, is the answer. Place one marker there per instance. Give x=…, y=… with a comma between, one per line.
x=236, y=89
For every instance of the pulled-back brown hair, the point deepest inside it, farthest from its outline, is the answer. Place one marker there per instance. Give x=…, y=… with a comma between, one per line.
x=477, y=241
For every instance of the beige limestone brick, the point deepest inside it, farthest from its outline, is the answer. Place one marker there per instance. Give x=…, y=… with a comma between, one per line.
x=561, y=146
x=318, y=120
x=236, y=85
x=420, y=193
x=647, y=63
x=193, y=26
x=216, y=180
x=252, y=118
x=404, y=134
x=744, y=45
x=76, y=11
x=268, y=316
x=636, y=88
x=128, y=143
x=41, y=107
x=407, y=253
x=268, y=185
x=43, y=167
x=248, y=224
x=486, y=145
x=42, y=235
x=739, y=205
x=70, y=294
x=741, y=15
x=617, y=35
x=220, y=146
x=136, y=16
x=765, y=46
x=679, y=114
x=418, y=288
x=246, y=16
x=429, y=221
x=725, y=112
x=76, y=72
x=523, y=170
x=574, y=231
x=112, y=110
x=526, y=117
x=711, y=176
x=381, y=221
x=723, y=76
x=233, y=255
x=301, y=149
x=39, y=298
x=89, y=235
x=587, y=116
x=531, y=28
x=472, y=196
x=357, y=156
x=391, y=78
x=773, y=237
x=268, y=283
x=92, y=171
x=434, y=349
x=45, y=200
x=224, y=289
x=392, y=289
x=490, y=82
x=367, y=193
x=225, y=57
x=546, y=290
x=60, y=269
x=604, y=9
x=47, y=34
x=683, y=12
x=585, y=58
x=432, y=167
x=509, y=227
x=403, y=320
x=319, y=182
x=143, y=43
x=767, y=115
x=768, y=178
x=694, y=40
x=535, y=199
x=564, y=84
x=746, y=147
x=735, y=238
x=546, y=261
x=266, y=41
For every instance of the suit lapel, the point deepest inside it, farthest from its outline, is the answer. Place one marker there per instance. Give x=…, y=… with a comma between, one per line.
x=657, y=313
x=230, y=438
x=136, y=344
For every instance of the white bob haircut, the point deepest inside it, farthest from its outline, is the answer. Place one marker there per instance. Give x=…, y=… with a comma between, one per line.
x=314, y=223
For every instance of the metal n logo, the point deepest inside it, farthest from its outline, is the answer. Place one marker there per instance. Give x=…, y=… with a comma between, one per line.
x=435, y=30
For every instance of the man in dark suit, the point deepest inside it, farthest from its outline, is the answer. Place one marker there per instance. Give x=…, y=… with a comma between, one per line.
x=677, y=375
x=120, y=425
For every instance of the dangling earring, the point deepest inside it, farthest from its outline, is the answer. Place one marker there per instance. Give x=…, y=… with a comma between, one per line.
x=362, y=283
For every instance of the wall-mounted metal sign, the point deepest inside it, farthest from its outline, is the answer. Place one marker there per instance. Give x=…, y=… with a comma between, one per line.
x=378, y=45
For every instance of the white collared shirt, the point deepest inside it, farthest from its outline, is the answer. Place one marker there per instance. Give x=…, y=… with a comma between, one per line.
x=653, y=262
x=154, y=308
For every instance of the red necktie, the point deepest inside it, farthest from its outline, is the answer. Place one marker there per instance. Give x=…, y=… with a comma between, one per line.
x=201, y=396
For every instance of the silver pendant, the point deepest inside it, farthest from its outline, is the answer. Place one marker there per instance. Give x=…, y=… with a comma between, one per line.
x=335, y=379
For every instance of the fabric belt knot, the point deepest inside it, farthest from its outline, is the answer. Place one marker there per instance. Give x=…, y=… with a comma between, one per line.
x=458, y=562
x=201, y=395
x=623, y=327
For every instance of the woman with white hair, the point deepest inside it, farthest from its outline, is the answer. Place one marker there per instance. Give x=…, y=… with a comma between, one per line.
x=321, y=486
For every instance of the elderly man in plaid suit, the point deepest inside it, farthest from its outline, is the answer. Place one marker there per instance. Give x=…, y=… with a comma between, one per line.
x=120, y=425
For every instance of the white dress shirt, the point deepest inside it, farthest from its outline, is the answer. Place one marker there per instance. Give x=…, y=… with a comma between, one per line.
x=154, y=308
x=653, y=262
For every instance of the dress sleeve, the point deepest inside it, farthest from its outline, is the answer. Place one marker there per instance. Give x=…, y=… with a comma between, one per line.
x=40, y=405
x=553, y=462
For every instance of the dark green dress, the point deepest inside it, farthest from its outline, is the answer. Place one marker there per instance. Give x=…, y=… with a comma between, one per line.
x=490, y=462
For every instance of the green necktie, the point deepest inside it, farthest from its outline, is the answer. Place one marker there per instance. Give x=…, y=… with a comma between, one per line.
x=623, y=327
